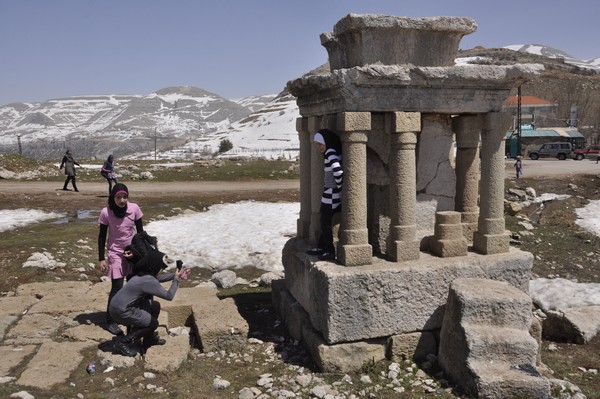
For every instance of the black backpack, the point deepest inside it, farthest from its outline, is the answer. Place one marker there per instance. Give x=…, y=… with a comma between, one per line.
x=141, y=244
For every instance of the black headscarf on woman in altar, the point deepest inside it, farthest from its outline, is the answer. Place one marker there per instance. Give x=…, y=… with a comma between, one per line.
x=117, y=210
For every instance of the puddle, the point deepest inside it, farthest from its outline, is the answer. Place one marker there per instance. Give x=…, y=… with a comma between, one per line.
x=87, y=214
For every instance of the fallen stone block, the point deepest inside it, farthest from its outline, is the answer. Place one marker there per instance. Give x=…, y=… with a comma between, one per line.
x=219, y=325
x=32, y=329
x=168, y=357
x=53, y=363
x=12, y=356
x=579, y=325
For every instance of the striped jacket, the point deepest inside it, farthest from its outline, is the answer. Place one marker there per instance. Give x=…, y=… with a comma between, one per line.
x=334, y=176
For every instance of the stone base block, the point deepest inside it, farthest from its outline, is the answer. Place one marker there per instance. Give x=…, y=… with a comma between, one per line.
x=355, y=255
x=448, y=248
x=399, y=251
x=345, y=357
x=414, y=346
x=488, y=244
x=347, y=304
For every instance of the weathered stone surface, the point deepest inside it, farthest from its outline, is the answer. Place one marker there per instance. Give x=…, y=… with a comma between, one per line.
x=415, y=346
x=388, y=298
x=12, y=356
x=168, y=357
x=43, y=289
x=33, y=329
x=579, y=324
x=179, y=310
x=106, y=358
x=53, y=363
x=345, y=357
x=293, y=316
x=86, y=332
x=380, y=88
x=218, y=324
x=16, y=305
x=71, y=297
x=361, y=39
x=5, y=322
x=485, y=345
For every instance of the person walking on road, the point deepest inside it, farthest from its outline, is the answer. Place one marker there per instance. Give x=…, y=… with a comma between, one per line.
x=69, y=164
x=519, y=167
x=108, y=172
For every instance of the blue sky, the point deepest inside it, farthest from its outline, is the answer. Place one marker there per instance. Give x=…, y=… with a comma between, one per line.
x=234, y=48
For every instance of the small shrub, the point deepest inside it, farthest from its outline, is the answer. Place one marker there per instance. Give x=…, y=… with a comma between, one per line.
x=225, y=145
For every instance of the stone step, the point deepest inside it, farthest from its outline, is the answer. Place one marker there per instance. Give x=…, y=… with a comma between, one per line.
x=501, y=380
x=475, y=301
x=500, y=343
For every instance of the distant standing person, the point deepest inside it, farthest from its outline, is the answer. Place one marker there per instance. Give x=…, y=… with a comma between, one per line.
x=108, y=172
x=69, y=164
x=121, y=219
x=519, y=167
x=330, y=146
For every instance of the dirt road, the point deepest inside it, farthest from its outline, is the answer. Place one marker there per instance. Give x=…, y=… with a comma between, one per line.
x=539, y=168
x=35, y=187
x=553, y=167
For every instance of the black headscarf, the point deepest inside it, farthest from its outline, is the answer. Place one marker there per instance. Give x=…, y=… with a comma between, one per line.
x=152, y=263
x=117, y=210
x=332, y=140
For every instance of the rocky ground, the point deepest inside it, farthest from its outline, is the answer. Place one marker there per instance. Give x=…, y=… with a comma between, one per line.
x=266, y=363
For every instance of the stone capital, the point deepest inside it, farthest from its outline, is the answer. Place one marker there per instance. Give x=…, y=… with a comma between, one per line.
x=402, y=122
x=353, y=121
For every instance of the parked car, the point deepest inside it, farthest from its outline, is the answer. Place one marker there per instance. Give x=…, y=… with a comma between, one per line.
x=591, y=151
x=560, y=150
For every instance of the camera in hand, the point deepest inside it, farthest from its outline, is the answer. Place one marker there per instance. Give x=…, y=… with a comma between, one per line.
x=179, y=264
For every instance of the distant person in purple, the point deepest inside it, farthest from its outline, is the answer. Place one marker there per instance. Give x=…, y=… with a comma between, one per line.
x=108, y=172
x=69, y=164
x=121, y=219
x=519, y=167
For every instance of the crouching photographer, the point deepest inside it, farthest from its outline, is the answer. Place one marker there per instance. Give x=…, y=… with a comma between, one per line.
x=134, y=306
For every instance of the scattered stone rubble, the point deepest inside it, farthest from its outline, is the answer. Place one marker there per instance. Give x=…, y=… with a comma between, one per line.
x=577, y=324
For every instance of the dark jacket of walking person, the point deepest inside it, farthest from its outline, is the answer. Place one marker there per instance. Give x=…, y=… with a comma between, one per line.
x=69, y=164
x=108, y=172
x=331, y=201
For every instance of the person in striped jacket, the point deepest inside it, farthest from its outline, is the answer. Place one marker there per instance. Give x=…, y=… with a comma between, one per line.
x=330, y=146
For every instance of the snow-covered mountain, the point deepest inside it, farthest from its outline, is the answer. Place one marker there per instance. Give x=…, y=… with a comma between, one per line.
x=100, y=124
x=269, y=132
x=551, y=52
x=183, y=122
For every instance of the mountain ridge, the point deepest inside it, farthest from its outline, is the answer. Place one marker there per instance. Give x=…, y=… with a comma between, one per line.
x=188, y=122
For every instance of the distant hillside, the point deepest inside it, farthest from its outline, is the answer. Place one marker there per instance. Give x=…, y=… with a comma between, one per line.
x=565, y=81
x=187, y=122
x=123, y=124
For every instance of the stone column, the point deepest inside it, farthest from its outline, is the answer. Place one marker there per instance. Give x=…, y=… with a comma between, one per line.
x=467, y=129
x=303, y=224
x=316, y=181
x=354, y=248
x=491, y=236
x=403, y=128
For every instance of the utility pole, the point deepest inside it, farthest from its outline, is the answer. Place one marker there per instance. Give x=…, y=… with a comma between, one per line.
x=19, y=142
x=519, y=121
x=154, y=144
